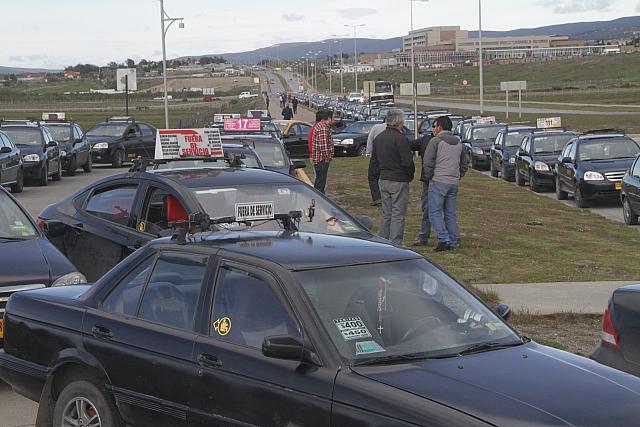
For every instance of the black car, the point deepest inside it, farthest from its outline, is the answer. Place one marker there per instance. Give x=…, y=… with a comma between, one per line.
x=75, y=149
x=120, y=139
x=272, y=328
x=11, y=169
x=537, y=158
x=270, y=151
x=503, y=153
x=478, y=141
x=39, y=149
x=352, y=141
x=630, y=194
x=592, y=167
x=29, y=260
x=619, y=346
x=106, y=221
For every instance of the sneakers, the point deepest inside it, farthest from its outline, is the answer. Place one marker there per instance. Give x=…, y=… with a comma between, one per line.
x=376, y=202
x=443, y=246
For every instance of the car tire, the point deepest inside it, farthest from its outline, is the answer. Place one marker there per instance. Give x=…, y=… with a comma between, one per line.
x=519, y=178
x=19, y=185
x=505, y=174
x=493, y=170
x=118, y=159
x=474, y=164
x=88, y=166
x=560, y=195
x=43, y=181
x=73, y=165
x=58, y=175
x=361, y=151
x=579, y=198
x=533, y=184
x=630, y=218
x=98, y=408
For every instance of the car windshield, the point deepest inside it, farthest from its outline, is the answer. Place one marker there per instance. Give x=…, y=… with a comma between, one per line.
x=270, y=153
x=107, y=130
x=400, y=309
x=281, y=126
x=14, y=224
x=550, y=144
x=359, y=127
x=486, y=133
x=61, y=133
x=608, y=149
x=514, y=139
x=269, y=127
x=24, y=136
x=327, y=218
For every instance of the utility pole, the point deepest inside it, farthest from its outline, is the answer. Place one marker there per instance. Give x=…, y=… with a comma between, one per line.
x=481, y=58
x=355, y=49
x=165, y=18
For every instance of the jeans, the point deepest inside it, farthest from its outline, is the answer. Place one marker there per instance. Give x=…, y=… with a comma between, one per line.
x=374, y=176
x=443, y=198
x=322, y=170
x=425, y=227
x=395, y=198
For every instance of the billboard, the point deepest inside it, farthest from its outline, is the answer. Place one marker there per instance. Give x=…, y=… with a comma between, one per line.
x=121, y=82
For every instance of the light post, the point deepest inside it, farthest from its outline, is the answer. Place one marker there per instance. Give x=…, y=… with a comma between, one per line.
x=414, y=88
x=315, y=69
x=166, y=18
x=341, y=61
x=480, y=56
x=355, y=49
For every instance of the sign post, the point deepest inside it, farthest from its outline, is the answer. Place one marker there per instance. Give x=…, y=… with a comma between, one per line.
x=514, y=86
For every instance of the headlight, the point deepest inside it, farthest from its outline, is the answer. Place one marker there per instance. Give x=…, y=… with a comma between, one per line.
x=31, y=158
x=541, y=166
x=478, y=150
x=74, y=278
x=593, y=176
x=347, y=141
x=101, y=145
x=63, y=153
x=512, y=160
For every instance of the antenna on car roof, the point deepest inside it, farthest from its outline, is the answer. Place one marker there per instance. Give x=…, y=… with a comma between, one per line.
x=199, y=220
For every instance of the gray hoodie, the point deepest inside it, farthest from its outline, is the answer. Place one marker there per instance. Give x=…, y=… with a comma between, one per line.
x=445, y=160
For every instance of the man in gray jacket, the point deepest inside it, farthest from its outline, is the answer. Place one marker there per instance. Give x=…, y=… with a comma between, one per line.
x=445, y=162
x=373, y=173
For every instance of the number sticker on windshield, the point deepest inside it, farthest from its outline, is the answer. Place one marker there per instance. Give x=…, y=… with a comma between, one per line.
x=352, y=328
x=284, y=192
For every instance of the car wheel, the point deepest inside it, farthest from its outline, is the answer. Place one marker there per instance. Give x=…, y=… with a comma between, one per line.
x=533, y=184
x=118, y=159
x=560, y=195
x=73, y=165
x=630, y=218
x=88, y=166
x=362, y=150
x=474, y=164
x=519, y=178
x=82, y=403
x=579, y=198
x=19, y=185
x=494, y=171
x=43, y=181
x=505, y=174
x=58, y=175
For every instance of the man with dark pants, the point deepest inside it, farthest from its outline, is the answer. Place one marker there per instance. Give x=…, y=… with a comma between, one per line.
x=287, y=113
x=322, y=150
x=294, y=103
x=445, y=163
x=392, y=152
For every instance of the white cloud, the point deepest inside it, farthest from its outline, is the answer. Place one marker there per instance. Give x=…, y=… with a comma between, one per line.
x=292, y=17
x=357, y=12
x=576, y=6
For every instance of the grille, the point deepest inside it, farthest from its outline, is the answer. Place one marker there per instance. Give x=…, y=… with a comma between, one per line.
x=614, y=176
x=6, y=291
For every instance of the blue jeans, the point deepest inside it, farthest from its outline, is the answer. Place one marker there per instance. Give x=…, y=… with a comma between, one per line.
x=425, y=227
x=442, y=199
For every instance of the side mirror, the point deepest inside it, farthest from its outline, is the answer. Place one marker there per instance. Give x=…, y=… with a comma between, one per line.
x=286, y=347
x=79, y=141
x=54, y=229
x=4, y=150
x=299, y=164
x=504, y=311
x=566, y=160
x=52, y=144
x=520, y=152
x=365, y=221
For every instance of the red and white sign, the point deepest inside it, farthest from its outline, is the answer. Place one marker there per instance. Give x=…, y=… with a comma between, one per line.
x=465, y=83
x=241, y=124
x=188, y=143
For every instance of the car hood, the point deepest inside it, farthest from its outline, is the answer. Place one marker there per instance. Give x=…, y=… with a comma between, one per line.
x=346, y=135
x=511, y=151
x=26, y=262
x=525, y=385
x=31, y=149
x=548, y=159
x=95, y=139
x=487, y=144
x=609, y=165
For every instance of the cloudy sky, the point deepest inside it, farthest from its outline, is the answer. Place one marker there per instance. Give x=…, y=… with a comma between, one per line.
x=53, y=34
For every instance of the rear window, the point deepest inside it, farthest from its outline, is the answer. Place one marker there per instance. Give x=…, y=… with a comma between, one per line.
x=107, y=130
x=24, y=136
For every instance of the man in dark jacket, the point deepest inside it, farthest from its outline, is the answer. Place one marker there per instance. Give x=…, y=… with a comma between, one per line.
x=392, y=153
x=287, y=113
x=294, y=103
x=445, y=163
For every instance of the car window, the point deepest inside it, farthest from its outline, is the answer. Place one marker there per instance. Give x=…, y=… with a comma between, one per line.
x=172, y=294
x=13, y=222
x=78, y=132
x=134, y=131
x=3, y=141
x=270, y=154
x=160, y=208
x=572, y=151
x=303, y=129
x=551, y=144
x=25, y=135
x=107, y=129
x=113, y=204
x=60, y=133
x=293, y=131
x=124, y=298
x=146, y=130
x=567, y=150
x=608, y=149
x=246, y=310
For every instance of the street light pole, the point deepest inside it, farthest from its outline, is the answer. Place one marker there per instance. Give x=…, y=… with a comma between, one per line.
x=481, y=59
x=414, y=87
x=341, y=61
x=165, y=18
x=355, y=49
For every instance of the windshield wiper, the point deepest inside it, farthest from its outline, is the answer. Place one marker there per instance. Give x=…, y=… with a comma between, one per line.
x=395, y=359
x=13, y=239
x=488, y=346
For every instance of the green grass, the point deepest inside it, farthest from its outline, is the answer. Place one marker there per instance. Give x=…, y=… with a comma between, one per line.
x=498, y=244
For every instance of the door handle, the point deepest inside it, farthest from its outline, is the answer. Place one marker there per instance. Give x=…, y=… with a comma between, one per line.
x=102, y=332
x=209, y=361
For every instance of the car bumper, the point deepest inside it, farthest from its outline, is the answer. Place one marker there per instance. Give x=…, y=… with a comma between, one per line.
x=544, y=178
x=26, y=378
x=611, y=356
x=600, y=190
x=101, y=155
x=32, y=169
x=344, y=150
x=483, y=159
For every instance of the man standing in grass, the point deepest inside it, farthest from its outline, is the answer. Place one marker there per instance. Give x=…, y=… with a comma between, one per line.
x=322, y=149
x=373, y=173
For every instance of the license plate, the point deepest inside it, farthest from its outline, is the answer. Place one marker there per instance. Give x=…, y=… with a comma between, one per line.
x=1, y=328
x=618, y=186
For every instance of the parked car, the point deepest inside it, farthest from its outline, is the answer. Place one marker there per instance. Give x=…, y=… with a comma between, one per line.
x=270, y=151
x=75, y=150
x=39, y=149
x=630, y=194
x=245, y=95
x=478, y=141
x=592, y=167
x=537, y=158
x=295, y=136
x=185, y=331
x=121, y=139
x=352, y=141
x=11, y=167
x=503, y=153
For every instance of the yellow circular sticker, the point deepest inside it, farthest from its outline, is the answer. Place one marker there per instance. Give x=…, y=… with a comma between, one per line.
x=222, y=326
x=142, y=226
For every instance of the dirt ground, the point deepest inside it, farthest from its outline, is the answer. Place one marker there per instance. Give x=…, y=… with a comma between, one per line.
x=577, y=333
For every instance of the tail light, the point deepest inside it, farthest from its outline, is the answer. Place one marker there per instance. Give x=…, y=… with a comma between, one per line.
x=608, y=334
x=42, y=224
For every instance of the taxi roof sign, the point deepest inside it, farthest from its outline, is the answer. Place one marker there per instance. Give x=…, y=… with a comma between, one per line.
x=220, y=118
x=53, y=116
x=550, y=123
x=486, y=120
x=174, y=144
x=242, y=124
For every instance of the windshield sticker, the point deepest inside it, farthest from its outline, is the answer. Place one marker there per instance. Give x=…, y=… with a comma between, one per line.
x=254, y=211
x=494, y=326
x=142, y=226
x=368, y=347
x=352, y=328
x=284, y=191
x=222, y=326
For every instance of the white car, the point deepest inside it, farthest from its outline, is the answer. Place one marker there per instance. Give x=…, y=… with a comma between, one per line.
x=356, y=97
x=244, y=95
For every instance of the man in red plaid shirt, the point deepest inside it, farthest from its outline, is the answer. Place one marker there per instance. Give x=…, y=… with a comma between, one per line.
x=322, y=149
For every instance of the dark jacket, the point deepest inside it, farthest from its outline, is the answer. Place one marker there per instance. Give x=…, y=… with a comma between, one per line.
x=392, y=153
x=420, y=146
x=287, y=113
x=445, y=160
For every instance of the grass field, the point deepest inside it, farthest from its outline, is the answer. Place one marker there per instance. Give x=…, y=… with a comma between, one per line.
x=499, y=244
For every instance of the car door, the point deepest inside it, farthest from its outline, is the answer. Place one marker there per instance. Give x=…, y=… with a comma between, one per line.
x=563, y=171
x=103, y=232
x=52, y=152
x=148, y=139
x=496, y=151
x=5, y=159
x=291, y=140
x=160, y=208
x=303, y=143
x=633, y=190
x=237, y=384
x=143, y=335
x=133, y=142
x=527, y=160
x=81, y=145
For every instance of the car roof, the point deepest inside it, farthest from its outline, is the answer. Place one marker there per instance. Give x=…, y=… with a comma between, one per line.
x=496, y=125
x=206, y=177
x=519, y=128
x=301, y=251
x=601, y=136
x=547, y=132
